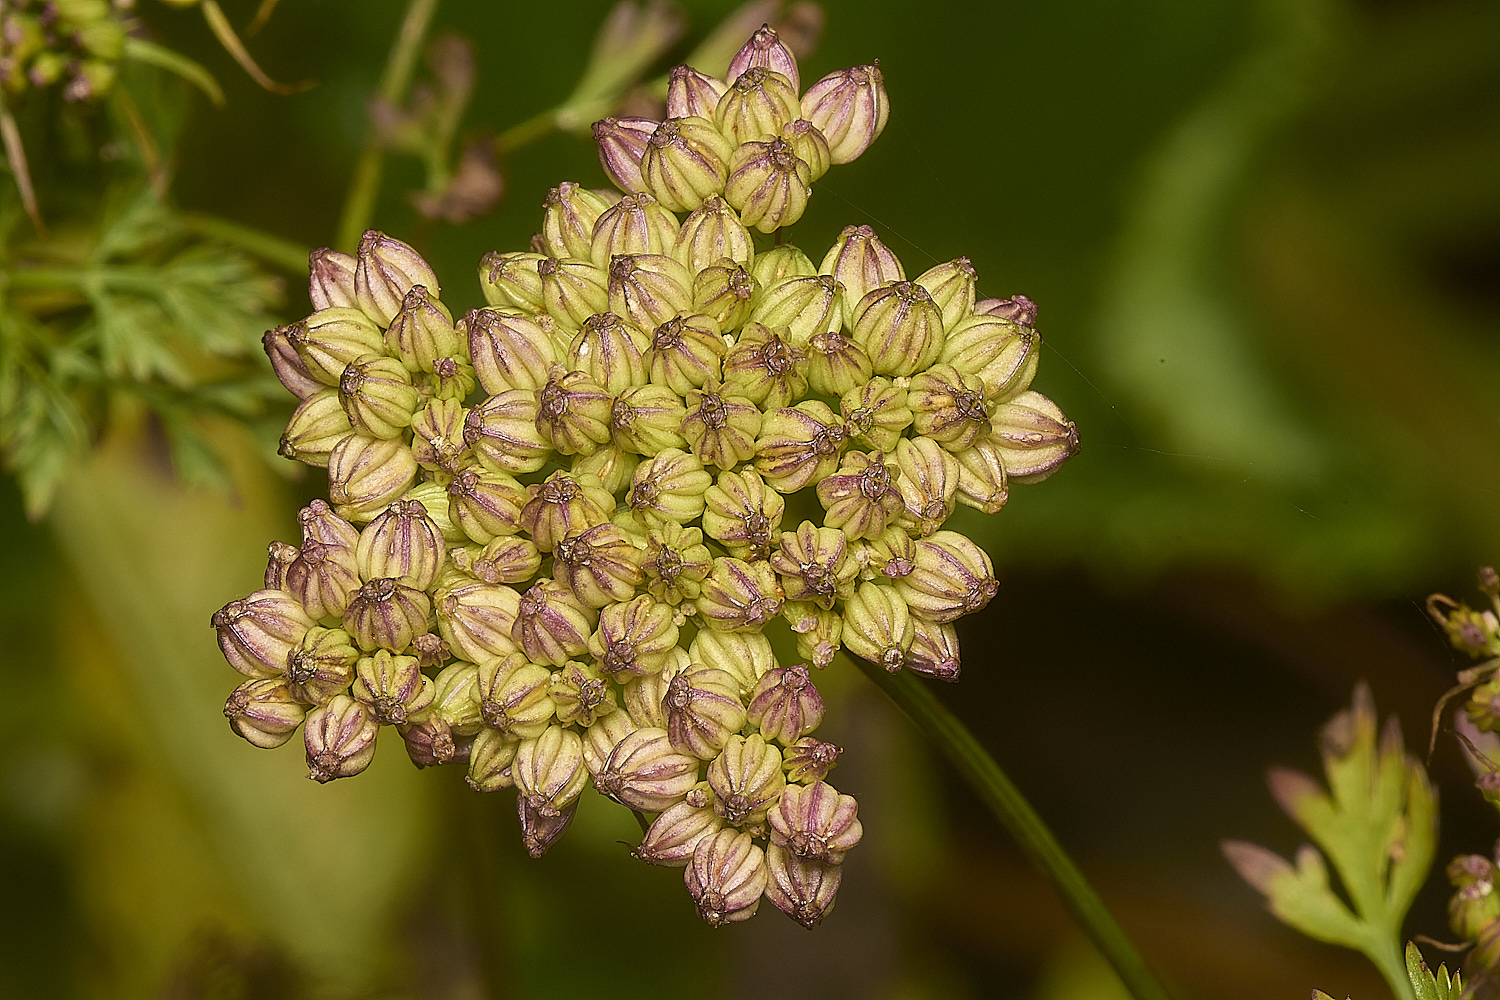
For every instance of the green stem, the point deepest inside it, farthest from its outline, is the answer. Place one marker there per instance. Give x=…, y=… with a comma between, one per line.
x=525, y=132
x=272, y=249
x=359, y=205
x=1009, y=806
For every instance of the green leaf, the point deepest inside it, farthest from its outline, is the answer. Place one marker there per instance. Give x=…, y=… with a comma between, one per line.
x=1429, y=985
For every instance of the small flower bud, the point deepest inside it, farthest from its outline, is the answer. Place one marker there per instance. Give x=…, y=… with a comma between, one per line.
x=948, y=407
x=810, y=145
x=1033, y=437
x=703, y=710
x=611, y=352
x=329, y=339
x=878, y=626
x=387, y=614
x=900, y=327
x=552, y=626
x=476, y=619
x=713, y=233
x=644, y=772
x=257, y=633
x=316, y=428
x=934, y=651
x=721, y=426
x=378, y=396
x=635, y=224
x=645, y=696
x=330, y=279
x=768, y=184
x=803, y=890
x=514, y=696
x=767, y=51
x=876, y=414
x=429, y=741
x=490, y=761
x=928, y=483
x=804, y=305
x=622, y=143
x=286, y=363
x=862, y=497
x=611, y=466
x=266, y=712
x=815, y=566
x=450, y=378
x=600, y=739
x=600, y=565
x=437, y=441
x=573, y=412
x=737, y=596
x=744, y=514
x=780, y=263
x=888, y=557
x=686, y=162
x=386, y=271
x=745, y=656
x=674, y=834
x=391, y=687
x=759, y=102
x=726, y=877
x=504, y=435
x=321, y=665
x=340, y=739
x=675, y=563
x=365, y=475
x=809, y=760
x=686, y=352
x=1002, y=354
x=279, y=555
x=951, y=286
x=724, y=291
x=323, y=579
x=568, y=217
x=669, y=487
x=981, y=477
x=785, y=705
x=485, y=505
x=549, y=770
x=746, y=779
x=693, y=94
x=799, y=446
x=952, y=577
x=836, y=365
x=764, y=368
x=644, y=420
x=634, y=638
x=1018, y=309
x=422, y=332
x=649, y=289
x=850, y=107
x=562, y=505
x=819, y=633
x=858, y=260
x=816, y=823
x=509, y=352
x=506, y=559
x=431, y=650
x=511, y=281
x=541, y=827
x=402, y=542
x=454, y=701
x=572, y=290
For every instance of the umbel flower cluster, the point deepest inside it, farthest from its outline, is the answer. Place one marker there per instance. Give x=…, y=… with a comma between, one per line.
x=75, y=43
x=562, y=529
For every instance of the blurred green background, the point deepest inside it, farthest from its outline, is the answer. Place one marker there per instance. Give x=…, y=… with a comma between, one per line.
x=1264, y=236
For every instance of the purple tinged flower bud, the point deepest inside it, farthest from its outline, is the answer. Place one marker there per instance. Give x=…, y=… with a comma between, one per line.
x=785, y=705
x=645, y=420
x=330, y=338
x=745, y=656
x=611, y=352
x=340, y=739
x=691, y=94
x=726, y=877
x=1001, y=353
x=676, y=561
x=816, y=823
x=402, y=542
x=649, y=289
x=799, y=446
x=951, y=286
x=803, y=890
x=634, y=638
x=562, y=505
x=686, y=352
x=850, y=107
x=549, y=770
x=504, y=435
x=877, y=626
x=948, y=407
x=860, y=262
x=767, y=51
x=454, y=701
x=743, y=514
x=804, y=305
x=330, y=279
x=572, y=290
x=951, y=577
x=809, y=760
x=511, y=281
x=485, y=505
x=569, y=214
x=738, y=596
x=669, y=487
x=635, y=224
x=645, y=696
x=323, y=579
x=450, y=378
x=321, y=524
x=686, y=162
x=746, y=779
x=769, y=184
x=780, y=263
x=611, y=466
x=810, y=145
x=429, y=741
x=900, y=327
x=934, y=651
x=506, y=559
x=819, y=633
x=876, y=414
x=378, y=396
x=711, y=235
x=836, y=365
x=366, y=474
x=514, y=696
x=724, y=291
x=889, y=557
x=600, y=565
x=490, y=761
x=316, y=428
x=1018, y=309
x=573, y=412
x=431, y=651
x=387, y=614
x=422, y=332
x=815, y=565
x=391, y=687
x=600, y=739
x=928, y=484
x=552, y=626
x=1033, y=437
x=386, y=271
x=622, y=144
x=477, y=619
x=982, y=482
x=279, y=555
x=287, y=364
x=674, y=834
x=721, y=425
x=644, y=772
x=764, y=368
x=759, y=102
x=862, y=497
x=257, y=633
x=509, y=352
x=266, y=712
x=703, y=710
x=437, y=441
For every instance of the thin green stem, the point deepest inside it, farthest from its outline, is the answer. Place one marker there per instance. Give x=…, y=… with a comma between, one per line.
x=364, y=186
x=272, y=249
x=526, y=132
x=1009, y=806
